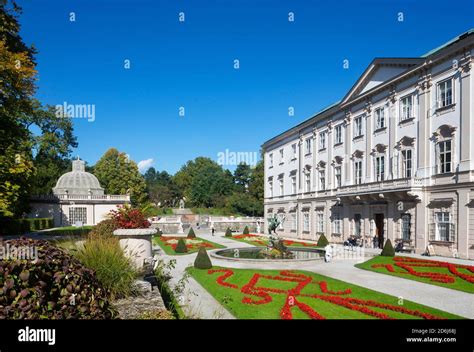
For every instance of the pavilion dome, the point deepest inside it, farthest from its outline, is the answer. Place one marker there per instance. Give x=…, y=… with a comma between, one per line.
x=78, y=181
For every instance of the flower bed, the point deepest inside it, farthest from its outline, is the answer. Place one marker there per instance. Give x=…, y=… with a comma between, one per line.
x=294, y=294
x=168, y=244
x=263, y=241
x=456, y=276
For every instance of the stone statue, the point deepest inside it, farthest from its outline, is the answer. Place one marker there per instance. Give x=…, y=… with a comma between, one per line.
x=276, y=248
x=181, y=204
x=274, y=222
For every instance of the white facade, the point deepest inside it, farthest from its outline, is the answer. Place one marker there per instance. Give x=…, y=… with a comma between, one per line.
x=78, y=199
x=393, y=159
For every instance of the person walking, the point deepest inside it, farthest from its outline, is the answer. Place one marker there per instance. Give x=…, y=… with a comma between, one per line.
x=376, y=242
x=213, y=230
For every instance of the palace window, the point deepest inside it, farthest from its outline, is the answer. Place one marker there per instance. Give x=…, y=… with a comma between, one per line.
x=270, y=186
x=407, y=165
x=337, y=223
x=380, y=168
x=338, y=176
x=293, y=184
x=293, y=221
x=357, y=225
x=322, y=180
x=444, y=157
x=308, y=145
x=443, y=226
x=358, y=172
x=406, y=221
x=322, y=140
x=306, y=221
x=282, y=159
x=270, y=160
x=307, y=181
x=338, y=134
x=445, y=93
x=379, y=118
x=320, y=222
x=406, y=108
x=293, y=148
x=78, y=215
x=280, y=185
x=358, y=126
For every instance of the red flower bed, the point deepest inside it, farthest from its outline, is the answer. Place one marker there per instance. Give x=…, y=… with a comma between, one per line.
x=256, y=294
x=165, y=240
x=408, y=264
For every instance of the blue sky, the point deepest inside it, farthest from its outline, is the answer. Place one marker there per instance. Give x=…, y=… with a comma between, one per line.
x=191, y=64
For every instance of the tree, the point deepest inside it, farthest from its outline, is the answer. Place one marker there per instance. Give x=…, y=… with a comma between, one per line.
x=52, y=146
x=120, y=175
x=17, y=87
x=242, y=176
x=256, y=184
x=161, y=188
x=204, y=182
x=244, y=203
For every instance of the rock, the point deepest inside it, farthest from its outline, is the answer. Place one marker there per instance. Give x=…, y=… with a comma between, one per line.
x=142, y=286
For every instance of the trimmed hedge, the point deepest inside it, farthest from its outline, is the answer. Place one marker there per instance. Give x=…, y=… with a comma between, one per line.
x=246, y=231
x=228, y=232
x=388, y=250
x=22, y=226
x=181, y=247
x=191, y=233
x=202, y=260
x=322, y=241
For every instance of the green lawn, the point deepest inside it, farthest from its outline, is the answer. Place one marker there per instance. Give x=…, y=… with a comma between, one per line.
x=458, y=284
x=262, y=241
x=234, y=300
x=168, y=243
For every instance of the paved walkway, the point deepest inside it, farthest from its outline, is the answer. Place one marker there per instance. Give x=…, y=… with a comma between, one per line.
x=200, y=304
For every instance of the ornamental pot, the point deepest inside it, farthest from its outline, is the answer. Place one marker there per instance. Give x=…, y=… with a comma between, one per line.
x=136, y=244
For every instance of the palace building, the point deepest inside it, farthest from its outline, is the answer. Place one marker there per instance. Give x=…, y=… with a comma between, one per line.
x=394, y=159
x=77, y=199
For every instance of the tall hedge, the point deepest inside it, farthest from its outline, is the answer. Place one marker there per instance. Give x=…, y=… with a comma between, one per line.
x=246, y=230
x=388, y=250
x=191, y=233
x=228, y=232
x=202, y=260
x=21, y=226
x=322, y=241
x=181, y=246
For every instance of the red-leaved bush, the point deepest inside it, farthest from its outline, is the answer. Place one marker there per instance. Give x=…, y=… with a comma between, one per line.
x=127, y=217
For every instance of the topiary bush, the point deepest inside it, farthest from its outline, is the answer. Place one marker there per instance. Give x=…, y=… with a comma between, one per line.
x=191, y=233
x=388, y=250
x=54, y=285
x=105, y=228
x=246, y=231
x=159, y=233
x=202, y=260
x=322, y=241
x=181, y=246
x=228, y=232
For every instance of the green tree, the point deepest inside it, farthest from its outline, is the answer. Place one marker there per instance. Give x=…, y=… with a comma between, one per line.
x=17, y=87
x=242, y=176
x=256, y=184
x=120, y=175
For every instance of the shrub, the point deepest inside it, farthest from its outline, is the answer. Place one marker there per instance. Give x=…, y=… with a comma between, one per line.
x=112, y=268
x=46, y=288
x=10, y=226
x=322, y=241
x=181, y=246
x=159, y=233
x=127, y=217
x=388, y=250
x=105, y=228
x=228, y=232
x=191, y=233
x=202, y=260
x=246, y=230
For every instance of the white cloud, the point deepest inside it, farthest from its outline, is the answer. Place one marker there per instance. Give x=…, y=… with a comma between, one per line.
x=145, y=164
